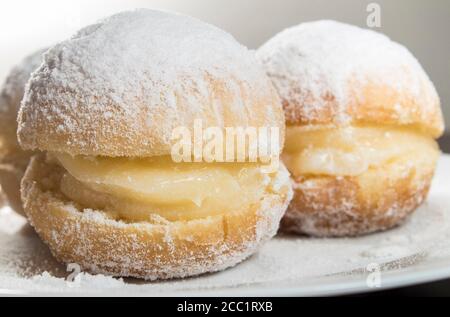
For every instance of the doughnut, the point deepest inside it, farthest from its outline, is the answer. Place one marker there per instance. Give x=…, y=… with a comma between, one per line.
x=14, y=160
x=104, y=192
x=362, y=117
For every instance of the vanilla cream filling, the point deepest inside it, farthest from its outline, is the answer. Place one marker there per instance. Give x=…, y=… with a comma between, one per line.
x=135, y=189
x=351, y=151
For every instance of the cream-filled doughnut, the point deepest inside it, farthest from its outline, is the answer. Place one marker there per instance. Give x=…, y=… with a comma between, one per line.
x=362, y=119
x=106, y=192
x=14, y=160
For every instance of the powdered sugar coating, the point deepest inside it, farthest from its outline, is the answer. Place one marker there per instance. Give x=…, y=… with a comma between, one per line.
x=13, y=90
x=120, y=86
x=330, y=72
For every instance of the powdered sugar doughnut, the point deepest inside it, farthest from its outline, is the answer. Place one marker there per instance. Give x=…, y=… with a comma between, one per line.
x=107, y=195
x=362, y=117
x=14, y=160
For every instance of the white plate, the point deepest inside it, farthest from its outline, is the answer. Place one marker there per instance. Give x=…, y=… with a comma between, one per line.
x=418, y=251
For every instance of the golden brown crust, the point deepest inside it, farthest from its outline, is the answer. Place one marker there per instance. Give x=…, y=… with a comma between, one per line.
x=374, y=103
x=349, y=206
x=156, y=250
x=386, y=105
